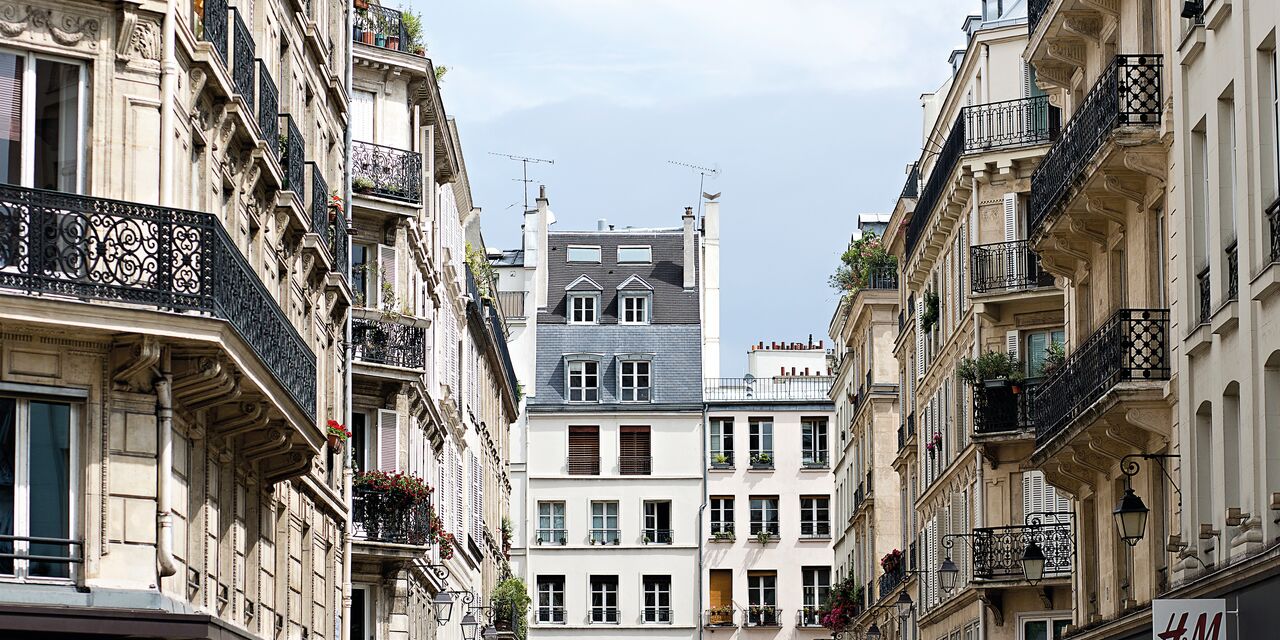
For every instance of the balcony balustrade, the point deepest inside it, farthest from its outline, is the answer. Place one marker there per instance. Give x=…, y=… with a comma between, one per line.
x=1006, y=266
x=268, y=109
x=656, y=614
x=583, y=465
x=386, y=171
x=213, y=26
x=1233, y=271
x=1273, y=221
x=762, y=615
x=388, y=343
x=881, y=278
x=815, y=530
x=1010, y=123
x=997, y=551
x=380, y=27
x=339, y=244
x=319, y=202
x=380, y=517
x=722, y=531
x=62, y=245
x=815, y=460
x=1204, y=294
x=810, y=617
x=605, y=536
x=243, y=50
x=912, y=188
x=293, y=157
x=1127, y=94
x=939, y=179
x=797, y=388
x=1132, y=345
x=890, y=581
x=552, y=536
x=718, y=617
x=658, y=536
x=1035, y=12
x=635, y=465
x=997, y=409
x=41, y=556
x=605, y=615
x=550, y=615
x=500, y=338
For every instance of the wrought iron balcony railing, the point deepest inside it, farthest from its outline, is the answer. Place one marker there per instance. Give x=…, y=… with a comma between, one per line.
x=718, y=617
x=1273, y=221
x=890, y=580
x=815, y=530
x=762, y=615
x=781, y=388
x=339, y=243
x=912, y=187
x=605, y=615
x=1204, y=293
x=1127, y=94
x=243, y=51
x=1131, y=345
x=504, y=352
x=380, y=517
x=635, y=465
x=583, y=465
x=80, y=247
x=1233, y=271
x=939, y=179
x=1035, y=13
x=658, y=536
x=550, y=615
x=722, y=531
x=388, y=343
x=656, y=615
x=268, y=109
x=1005, y=266
x=815, y=460
x=213, y=26
x=552, y=536
x=770, y=528
x=381, y=27
x=997, y=409
x=809, y=616
x=386, y=171
x=1010, y=123
x=881, y=278
x=997, y=551
x=605, y=536
x=40, y=556
x=293, y=156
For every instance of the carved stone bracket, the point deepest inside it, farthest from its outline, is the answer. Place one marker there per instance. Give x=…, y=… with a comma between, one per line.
x=137, y=357
x=274, y=441
x=246, y=417
x=993, y=601
x=204, y=382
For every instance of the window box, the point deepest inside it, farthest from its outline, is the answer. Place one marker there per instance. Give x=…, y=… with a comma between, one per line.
x=761, y=461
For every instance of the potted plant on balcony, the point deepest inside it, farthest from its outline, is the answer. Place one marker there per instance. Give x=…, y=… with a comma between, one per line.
x=720, y=461
x=337, y=434
x=360, y=4
x=761, y=460
x=929, y=317
x=763, y=536
x=722, y=535
x=361, y=185
x=934, y=445
x=865, y=258
x=720, y=616
x=1055, y=357
x=891, y=561
x=510, y=603
x=992, y=369
x=563, y=540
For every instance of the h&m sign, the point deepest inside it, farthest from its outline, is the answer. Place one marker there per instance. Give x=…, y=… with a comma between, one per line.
x=1189, y=620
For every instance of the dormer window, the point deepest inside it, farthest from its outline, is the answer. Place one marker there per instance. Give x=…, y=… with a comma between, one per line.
x=584, y=380
x=583, y=253
x=634, y=308
x=583, y=308
x=636, y=254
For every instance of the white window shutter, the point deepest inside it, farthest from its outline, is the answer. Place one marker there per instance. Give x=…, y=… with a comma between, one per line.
x=459, y=519
x=388, y=445
x=1026, y=79
x=474, y=492
x=920, y=337
x=1033, y=493
x=1010, y=217
x=1011, y=343
x=386, y=273
x=362, y=103
x=442, y=486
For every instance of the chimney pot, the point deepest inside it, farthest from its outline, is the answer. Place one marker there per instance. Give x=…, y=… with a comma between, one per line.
x=602, y=225
x=542, y=191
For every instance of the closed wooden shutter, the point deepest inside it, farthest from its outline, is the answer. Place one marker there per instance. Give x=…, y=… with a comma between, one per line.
x=388, y=443
x=634, y=451
x=584, y=450
x=721, y=588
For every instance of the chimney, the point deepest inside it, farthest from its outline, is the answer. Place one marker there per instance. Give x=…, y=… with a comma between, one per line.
x=602, y=225
x=690, y=271
x=543, y=217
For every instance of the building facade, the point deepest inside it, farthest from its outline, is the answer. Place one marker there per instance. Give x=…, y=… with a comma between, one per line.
x=766, y=557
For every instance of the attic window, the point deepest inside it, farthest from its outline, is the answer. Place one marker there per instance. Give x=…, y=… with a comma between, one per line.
x=583, y=254
x=635, y=254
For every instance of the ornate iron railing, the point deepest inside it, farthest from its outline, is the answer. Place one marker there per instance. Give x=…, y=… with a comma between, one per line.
x=890, y=580
x=809, y=616
x=389, y=343
x=718, y=617
x=339, y=242
x=380, y=517
x=268, y=109
x=936, y=185
x=381, y=27
x=658, y=536
x=242, y=60
x=762, y=615
x=1035, y=13
x=213, y=26
x=1233, y=271
x=1006, y=265
x=1131, y=345
x=293, y=158
x=782, y=388
x=997, y=551
x=1127, y=93
x=1273, y=220
x=1204, y=294
x=82, y=247
x=1010, y=123
x=320, y=223
x=386, y=171
x=997, y=409
x=551, y=615
x=557, y=536
x=880, y=278
x=912, y=188
x=815, y=530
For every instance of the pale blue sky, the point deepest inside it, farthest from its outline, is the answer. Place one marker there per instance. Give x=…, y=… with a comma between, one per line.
x=810, y=108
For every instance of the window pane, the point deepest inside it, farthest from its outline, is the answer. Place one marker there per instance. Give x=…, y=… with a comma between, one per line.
x=50, y=472
x=8, y=475
x=57, y=136
x=1035, y=630
x=634, y=254
x=11, y=68
x=583, y=254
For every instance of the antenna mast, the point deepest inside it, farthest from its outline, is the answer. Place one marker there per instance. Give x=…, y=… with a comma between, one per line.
x=524, y=166
x=703, y=172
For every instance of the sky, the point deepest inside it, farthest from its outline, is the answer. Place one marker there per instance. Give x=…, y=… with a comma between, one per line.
x=809, y=109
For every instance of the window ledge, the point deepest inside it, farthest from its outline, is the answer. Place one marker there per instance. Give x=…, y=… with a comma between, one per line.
x=1199, y=339
x=1226, y=318
x=1266, y=283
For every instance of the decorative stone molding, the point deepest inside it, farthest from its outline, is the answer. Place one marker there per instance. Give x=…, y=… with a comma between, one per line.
x=65, y=28
x=204, y=382
x=137, y=357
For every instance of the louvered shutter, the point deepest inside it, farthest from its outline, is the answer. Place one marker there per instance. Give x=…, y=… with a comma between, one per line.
x=1013, y=265
x=1011, y=343
x=963, y=242
x=957, y=525
x=386, y=276
x=362, y=115
x=11, y=100
x=1026, y=79
x=920, y=337
x=584, y=450
x=936, y=559
x=459, y=515
x=634, y=450
x=388, y=443
x=477, y=513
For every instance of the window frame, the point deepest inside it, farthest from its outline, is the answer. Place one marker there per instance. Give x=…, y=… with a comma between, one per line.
x=605, y=534
x=598, y=586
x=814, y=592
x=569, y=250
x=769, y=505
x=1050, y=617
x=630, y=393
x=815, y=513
x=818, y=454
x=721, y=510
x=651, y=522
x=551, y=516
x=652, y=608
x=721, y=439
x=26, y=153
x=645, y=306
x=585, y=389
x=1052, y=336
x=572, y=311
x=553, y=592
x=22, y=485
x=760, y=431
x=634, y=247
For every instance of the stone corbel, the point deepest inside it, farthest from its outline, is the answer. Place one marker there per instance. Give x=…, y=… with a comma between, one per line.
x=1149, y=162
x=1081, y=228
x=1068, y=51
x=206, y=381
x=1116, y=186
x=1153, y=419
x=1069, y=477
x=248, y=416
x=1126, y=434
x=1082, y=455
x=992, y=600
x=1052, y=75
x=1087, y=24
x=274, y=441
x=1105, y=445
x=289, y=465
x=138, y=355
x=1110, y=7
x=1063, y=245
x=1102, y=206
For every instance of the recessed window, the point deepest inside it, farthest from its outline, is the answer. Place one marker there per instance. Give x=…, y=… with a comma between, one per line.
x=551, y=529
x=604, y=523
x=657, y=521
x=813, y=442
x=635, y=383
x=551, y=599
x=722, y=518
x=635, y=254
x=583, y=254
x=42, y=122
x=722, y=442
x=635, y=308
x=604, y=599
x=764, y=515
x=817, y=588
x=583, y=307
x=37, y=482
x=657, y=599
x=584, y=381
x=815, y=517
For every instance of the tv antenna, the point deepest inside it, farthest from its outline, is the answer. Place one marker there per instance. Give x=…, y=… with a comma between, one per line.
x=524, y=175
x=703, y=172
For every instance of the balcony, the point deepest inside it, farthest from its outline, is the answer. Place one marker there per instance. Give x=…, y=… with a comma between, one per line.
x=1204, y=292
x=721, y=459
x=386, y=172
x=549, y=615
x=762, y=615
x=779, y=389
x=722, y=532
x=912, y=187
x=1133, y=345
x=552, y=536
x=809, y=617
x=890, y=581
x=1127, y=94
x=380, y=518
x=766, y=532
x=815, y=530
x=658, y=536
x=605, y=536
x=243, y=49
x=293, y=156
x=80, y=248
x=379, y=26
x=1233, y=271
x=656, y=615
x=635, y=465
x=881, y=278
x=213, y=26
x=1006, y=267
x=604, y=615
x=583, y=464
x=718, y=617
x=997, y=551
x=388, y=343
x=1273, y=221
x=997, y=409
x=1035, y=12
x=268, y=109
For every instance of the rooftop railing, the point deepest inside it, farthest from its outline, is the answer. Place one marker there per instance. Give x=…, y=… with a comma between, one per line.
x=750, y=388
x=381, y=27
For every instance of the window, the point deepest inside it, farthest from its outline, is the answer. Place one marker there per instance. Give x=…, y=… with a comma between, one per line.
x=1038, y=349
x=584, y=451
x=1042, y=628
x=362, y=114
x=813, y=442
x=722, y=518
x=814, y=517
x=36, y=485
x=582, y=308
x=584, y=381
x=764, y=515
x=361, y=621
x=816, y=587
x=551, y=527
x=361, y=264
x=583, y=254
x=657, y=599
x=42, y=122
x=640, y=254
x=604, y=599
x=635, y=308
x=762, y=596
x=722, y=442
x=633, y=454
x=635, y=384
x=604, y=523
x=551, y=599
x=760, y=432
x=657, y=521
x=1275, y=118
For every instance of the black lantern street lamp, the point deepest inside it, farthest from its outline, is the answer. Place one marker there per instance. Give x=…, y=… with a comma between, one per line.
x=904, y=604
x=1033, y=562
x=469, y=624
x=1131, y=517
x=947, y=575
x=443, y=603
x=490, y=633
x=874, y=632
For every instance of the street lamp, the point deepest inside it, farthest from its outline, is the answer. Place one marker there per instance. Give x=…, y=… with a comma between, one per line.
x=1131, y=517
x=469, y=624
x=904, y=604
x=443, y=603
x=874, y=632
x=1033, y=563
x=490, y=633
x=947, y=575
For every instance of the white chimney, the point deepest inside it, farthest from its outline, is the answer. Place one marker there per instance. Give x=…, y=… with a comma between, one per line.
x=540, y=276
x=602, y=225
x=690, y=270
x=711, y=288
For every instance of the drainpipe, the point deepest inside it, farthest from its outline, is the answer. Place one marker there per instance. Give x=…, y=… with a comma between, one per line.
x=348, y=453
x=168, y=91
x=702, y=510
x=164, y=472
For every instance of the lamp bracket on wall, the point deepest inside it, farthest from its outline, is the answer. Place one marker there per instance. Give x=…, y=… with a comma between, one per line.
x=1129, y=467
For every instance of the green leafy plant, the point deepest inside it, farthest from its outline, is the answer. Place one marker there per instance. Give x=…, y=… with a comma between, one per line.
x=761, y=458
x=361, y=184
x=865, y=258
x=763, y=536
x=992, y=365
x=929, y=317
x=412, y=22
x=1055, y=357
x=482, y=270
x=844, y=603
x=510, y=602
x=441, y=70
x=722, y=535
x=720, y=459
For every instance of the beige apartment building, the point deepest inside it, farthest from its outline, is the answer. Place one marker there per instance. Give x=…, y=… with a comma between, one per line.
x=173, y=301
